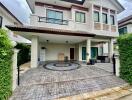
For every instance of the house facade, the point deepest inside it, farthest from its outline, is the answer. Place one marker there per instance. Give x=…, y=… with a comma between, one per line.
x=125, y=25
x=77, y=30
x=7, y=18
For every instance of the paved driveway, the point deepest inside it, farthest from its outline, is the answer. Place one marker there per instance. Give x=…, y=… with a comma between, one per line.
x=43, y=84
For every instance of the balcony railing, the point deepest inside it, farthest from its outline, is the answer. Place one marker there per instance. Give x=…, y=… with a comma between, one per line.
x=52, y=20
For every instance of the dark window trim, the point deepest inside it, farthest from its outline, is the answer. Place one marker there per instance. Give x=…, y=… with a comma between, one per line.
x=113, y=19
x=98, y=16
x=54, y=11
x=1, y=21
x=123, y=28
x=81, y=13
x=106, y=22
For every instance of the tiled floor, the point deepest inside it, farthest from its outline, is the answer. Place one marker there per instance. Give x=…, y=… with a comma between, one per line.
x=43, y=84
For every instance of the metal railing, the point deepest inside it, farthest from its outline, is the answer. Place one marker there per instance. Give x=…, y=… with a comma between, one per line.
x=52, y=20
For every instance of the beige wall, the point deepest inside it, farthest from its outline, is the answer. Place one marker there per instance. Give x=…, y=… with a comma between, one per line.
x=52, y=50
x=70, y=16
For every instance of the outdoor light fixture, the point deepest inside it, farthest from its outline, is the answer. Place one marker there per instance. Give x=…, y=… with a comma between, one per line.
x=47, y=41
x=66, y=41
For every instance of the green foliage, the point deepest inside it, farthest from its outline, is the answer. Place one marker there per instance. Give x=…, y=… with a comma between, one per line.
x=125, y=51
x=24, y=53
x=5, y=66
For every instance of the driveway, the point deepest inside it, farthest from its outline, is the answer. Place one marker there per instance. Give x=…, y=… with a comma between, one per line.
x=43, y=84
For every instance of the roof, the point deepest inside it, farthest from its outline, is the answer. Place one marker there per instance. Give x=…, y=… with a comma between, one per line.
x=10, y=13
x=49, y=31
x=75, y=1
x=125, y=19
x=120, y=4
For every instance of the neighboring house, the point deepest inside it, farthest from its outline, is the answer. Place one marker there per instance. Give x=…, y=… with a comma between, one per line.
x=125, y=25
x=7, y=18
x=79, y=30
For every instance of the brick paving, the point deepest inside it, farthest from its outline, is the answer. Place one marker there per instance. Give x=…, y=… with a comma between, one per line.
x=43, y=84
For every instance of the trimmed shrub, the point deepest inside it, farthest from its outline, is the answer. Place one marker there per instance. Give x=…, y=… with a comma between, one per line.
x=5, y=65
x=24, y=53
x=125, y=51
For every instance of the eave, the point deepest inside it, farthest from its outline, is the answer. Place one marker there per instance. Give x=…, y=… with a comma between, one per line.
x=43, y=30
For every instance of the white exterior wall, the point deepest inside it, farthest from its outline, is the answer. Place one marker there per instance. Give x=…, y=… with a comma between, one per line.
x=8, y=20
x=129, y=28
x=34, y=52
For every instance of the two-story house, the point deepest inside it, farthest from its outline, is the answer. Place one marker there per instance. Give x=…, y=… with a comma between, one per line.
x=125, y=25
x=7, y=18
x=77, y=30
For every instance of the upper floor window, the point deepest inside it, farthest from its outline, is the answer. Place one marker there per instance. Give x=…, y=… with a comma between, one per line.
x=123, y=30
x=104, y=18
x=112, y=19
x=80, y=17
x=96, y=16
x=54, y=16
x=1, y=21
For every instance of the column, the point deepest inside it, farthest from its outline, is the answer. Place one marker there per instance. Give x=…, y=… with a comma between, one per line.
x=117, y=65
x=111, y=49
x=88, y=49
x=34, y=52
x=79, y=53
x=15, y=68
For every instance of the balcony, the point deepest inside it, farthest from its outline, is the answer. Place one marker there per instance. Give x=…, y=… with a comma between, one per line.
x=69, y=24
x=53, y=21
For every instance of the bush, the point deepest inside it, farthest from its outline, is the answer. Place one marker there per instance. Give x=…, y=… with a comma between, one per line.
x=125, y=51
x=5, y=65
x=24, y=53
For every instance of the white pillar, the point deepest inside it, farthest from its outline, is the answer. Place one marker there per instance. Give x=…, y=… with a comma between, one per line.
x=15, y=69
x=88, y=49
x=34, y=52
x=117, y=65
x=111, y=49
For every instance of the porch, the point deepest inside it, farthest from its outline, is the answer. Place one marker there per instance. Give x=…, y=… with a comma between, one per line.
x=70, y=48
x=44, y=84
x=57, y=44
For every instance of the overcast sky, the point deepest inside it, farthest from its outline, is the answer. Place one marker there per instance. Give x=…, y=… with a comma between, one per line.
x=21, y=10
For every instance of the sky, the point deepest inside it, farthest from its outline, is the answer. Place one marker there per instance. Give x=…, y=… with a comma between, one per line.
x=22, y=11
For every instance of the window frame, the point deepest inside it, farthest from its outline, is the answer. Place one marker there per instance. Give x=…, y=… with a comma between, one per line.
x=1, y=21
x=106, y=22
x=80, y=16
x=123, y=28
x=54, y=11
x=97, y=12
x=112, y=21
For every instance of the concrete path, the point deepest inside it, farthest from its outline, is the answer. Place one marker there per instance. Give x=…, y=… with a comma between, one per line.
x=129, y=97
x=42, y=84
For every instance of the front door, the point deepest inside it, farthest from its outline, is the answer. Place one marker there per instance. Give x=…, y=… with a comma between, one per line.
x=71, y=53
x=83, y=53
x=94, y=52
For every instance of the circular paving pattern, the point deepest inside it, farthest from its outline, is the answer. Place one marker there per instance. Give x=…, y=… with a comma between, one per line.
x=62, y=66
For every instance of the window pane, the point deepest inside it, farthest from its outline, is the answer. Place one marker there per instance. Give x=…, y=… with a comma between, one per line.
x=104, y=17
x=123, y=30
x=96, y=16
x=54, y=17
x=58, y=15
x=112, y=20
x=50, y=14
x=80, y=17
x=77, y=17
x=0, y=21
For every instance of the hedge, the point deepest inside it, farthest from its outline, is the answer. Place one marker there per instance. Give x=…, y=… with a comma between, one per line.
x=5, y=65
x=125, y=51
x=24, y=53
